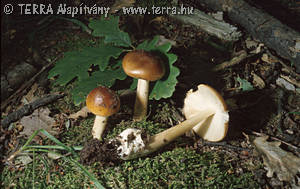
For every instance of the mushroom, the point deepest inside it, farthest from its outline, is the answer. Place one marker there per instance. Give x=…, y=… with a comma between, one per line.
x=145, y=67
x=102, y=102
x=205, y=112
x=134, y=143
x=207, y=98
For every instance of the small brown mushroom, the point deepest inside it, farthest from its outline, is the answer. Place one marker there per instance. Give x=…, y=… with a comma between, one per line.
x=145, y=67
x=102, y=102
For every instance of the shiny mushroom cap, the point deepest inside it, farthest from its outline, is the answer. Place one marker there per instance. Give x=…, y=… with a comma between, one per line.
x=102, y=101
x=143, y=65
x=206, y=98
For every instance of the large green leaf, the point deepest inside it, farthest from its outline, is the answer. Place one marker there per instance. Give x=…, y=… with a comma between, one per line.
x=105, y=78
x=76, y=64
x=109, y=29
x=164, y=87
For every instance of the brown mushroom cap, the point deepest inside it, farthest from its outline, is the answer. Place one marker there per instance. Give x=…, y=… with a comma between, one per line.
x=143, y=65
x=102, y=101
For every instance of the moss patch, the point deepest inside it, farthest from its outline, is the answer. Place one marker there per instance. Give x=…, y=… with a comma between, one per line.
x=179, y=168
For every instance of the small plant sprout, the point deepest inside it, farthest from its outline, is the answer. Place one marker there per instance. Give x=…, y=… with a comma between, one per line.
x=102, y=102
x=207, y=98
x=146, y=67
x=210, y=121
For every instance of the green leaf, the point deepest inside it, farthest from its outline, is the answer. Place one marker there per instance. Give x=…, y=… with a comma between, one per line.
x=109, y=29
x=164, y=87
x=296, y=113
x=56, y=147
x=76, y=64
x=149, y=45
x=245, y=85
x=51, y=137
x=105, y=78
x=133, y=84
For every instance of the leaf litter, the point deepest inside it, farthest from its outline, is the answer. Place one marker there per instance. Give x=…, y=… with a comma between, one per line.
x=285, y=164
x=39, y=119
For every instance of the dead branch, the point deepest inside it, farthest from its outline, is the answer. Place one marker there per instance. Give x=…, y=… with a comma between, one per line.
x=291, y=71
x=27, y=109
x=22, y=90
x=262, y=26
x=225, y=145
x=232, y=62
x=212, y=26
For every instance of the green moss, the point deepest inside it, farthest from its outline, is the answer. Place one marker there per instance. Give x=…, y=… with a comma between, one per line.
x=179, y=168
x=47, y=174
x=149, y=126
x=164, y=113
x=79, y=132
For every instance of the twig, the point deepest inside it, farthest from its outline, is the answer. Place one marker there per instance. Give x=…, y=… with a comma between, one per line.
x=29, y=108
x=275, y=138
x=232, y=62
x=23, y=88
x=291, y=80
x=284, y=65
x=224, y=144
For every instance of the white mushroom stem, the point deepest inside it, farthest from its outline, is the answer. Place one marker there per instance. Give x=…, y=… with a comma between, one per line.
x=161, y=139
x=99, y=126
x=167, y=136
x=141, y=100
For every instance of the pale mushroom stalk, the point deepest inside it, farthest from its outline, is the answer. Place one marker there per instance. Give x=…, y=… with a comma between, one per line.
x=141, y=100
x=165, y=137
x=99, y=126
x=145, y=67
x=138, y=147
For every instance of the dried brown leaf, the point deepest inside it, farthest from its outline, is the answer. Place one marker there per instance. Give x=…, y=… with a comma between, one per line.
x=258, y=81
x=81, y=113
x=39, y=119
x=285, y=164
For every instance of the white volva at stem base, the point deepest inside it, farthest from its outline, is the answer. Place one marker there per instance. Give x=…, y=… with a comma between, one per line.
x=99, y=126
x=141, y=100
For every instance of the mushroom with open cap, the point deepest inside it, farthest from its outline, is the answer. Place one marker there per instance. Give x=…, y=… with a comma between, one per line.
x=207, y=98
x=144, y=66
x=206, y=113
x=102, y=102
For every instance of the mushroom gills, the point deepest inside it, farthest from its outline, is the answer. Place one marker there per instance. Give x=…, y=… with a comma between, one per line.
x=204, y=98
